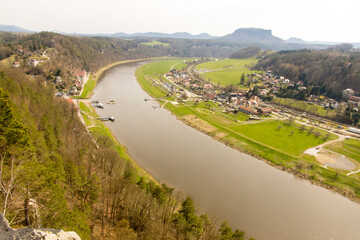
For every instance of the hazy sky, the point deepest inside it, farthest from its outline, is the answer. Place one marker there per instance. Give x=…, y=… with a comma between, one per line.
x=307, y=19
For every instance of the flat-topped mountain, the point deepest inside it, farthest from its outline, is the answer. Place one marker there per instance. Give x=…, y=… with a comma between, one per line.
x=257, y=35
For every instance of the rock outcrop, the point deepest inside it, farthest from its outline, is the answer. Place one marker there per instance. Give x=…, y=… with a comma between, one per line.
x=8, y=233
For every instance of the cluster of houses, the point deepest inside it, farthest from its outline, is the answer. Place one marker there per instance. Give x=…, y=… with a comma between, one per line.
x=32, y=58
x=231, y=102
x=78, y=83
x=271, y=85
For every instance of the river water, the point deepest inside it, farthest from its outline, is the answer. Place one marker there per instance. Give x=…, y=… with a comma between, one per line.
x=264, y=202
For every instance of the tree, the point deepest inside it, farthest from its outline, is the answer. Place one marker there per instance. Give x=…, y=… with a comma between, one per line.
x=291, y=120
x=238, y=235
x=225, y=231
x=242, y=79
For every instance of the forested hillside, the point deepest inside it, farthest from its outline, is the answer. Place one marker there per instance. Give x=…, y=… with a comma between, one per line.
x=67, y=55
x=337, y=67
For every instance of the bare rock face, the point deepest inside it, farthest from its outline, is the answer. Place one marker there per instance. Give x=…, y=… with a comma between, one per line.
x=8, y=233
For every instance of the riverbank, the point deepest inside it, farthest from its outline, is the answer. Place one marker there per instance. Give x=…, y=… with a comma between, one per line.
x=97, y=129
x=303, y=166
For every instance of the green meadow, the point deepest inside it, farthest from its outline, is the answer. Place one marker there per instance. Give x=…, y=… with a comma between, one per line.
x=155, y=43
x=227, y=63
x=227, y=71
x=280, y=135
x=226, y=77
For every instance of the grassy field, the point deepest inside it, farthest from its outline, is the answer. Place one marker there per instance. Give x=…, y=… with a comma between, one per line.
x=348, y=147
x=155, y=43
x=227, y=76
x=160, y=67
x=180, y=66
x=280, y=135
x=227, y=71
x=227, y=63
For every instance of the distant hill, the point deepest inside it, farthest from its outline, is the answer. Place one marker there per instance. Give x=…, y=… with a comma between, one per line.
x=180, y=35
x=12, y=28
x=244, y=36
x=295, y=40
x=256, y=35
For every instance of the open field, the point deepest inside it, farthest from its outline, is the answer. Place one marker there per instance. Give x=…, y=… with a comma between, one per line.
x=227, y=71
x=227, y=63
x=281, y=135
x=155, y=43
x=227, y=76
x=348, y=147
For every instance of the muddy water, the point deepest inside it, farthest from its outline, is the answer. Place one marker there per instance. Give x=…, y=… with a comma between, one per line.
x=263, y=201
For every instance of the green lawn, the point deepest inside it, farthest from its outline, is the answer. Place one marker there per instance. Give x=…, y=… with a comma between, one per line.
x=155, y=43
x=227, y=71
x=227, y=76
x=160, y=67
x=269, y=133
x=348, y=147
x=180, y=66
x=227, y=63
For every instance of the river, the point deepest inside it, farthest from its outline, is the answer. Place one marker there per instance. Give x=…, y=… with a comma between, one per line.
x=264, y=202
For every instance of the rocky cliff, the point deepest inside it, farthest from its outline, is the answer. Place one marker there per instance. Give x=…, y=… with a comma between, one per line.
x=8, y=233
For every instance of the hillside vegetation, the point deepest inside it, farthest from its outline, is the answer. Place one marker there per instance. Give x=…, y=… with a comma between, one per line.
x=336, y=67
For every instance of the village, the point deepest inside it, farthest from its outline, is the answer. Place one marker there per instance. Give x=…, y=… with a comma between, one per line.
x=253, y=101
x=33, y=61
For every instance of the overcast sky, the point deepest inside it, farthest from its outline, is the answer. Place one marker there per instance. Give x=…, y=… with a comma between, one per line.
x=310, y=20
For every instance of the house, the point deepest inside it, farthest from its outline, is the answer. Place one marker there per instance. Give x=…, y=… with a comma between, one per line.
x=81, y=75
x=207, y=86
x=194, y=86
x=348, y=92
x=263, y=92
x=265, y=111
x=254, y=101
x=246, y=110
x=58, y=80
x=210, y=95
x=73, y=91
x=286, y=81
x=33, y=62
x=354, y=100
x=16, y=64
x=186, y=83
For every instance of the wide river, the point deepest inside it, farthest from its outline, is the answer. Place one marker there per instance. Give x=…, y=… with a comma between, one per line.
x=264, y=202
